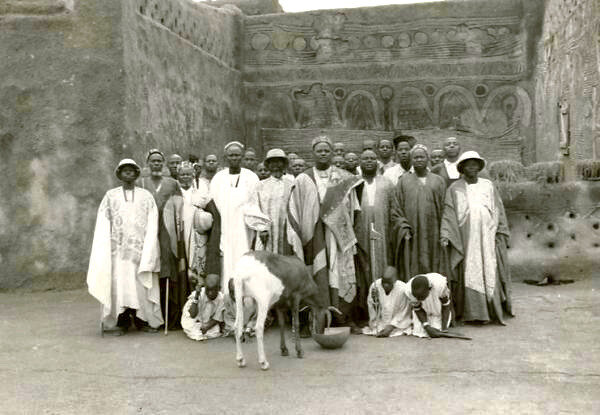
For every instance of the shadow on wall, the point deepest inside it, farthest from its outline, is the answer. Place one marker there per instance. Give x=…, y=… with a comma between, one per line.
x=555, y=225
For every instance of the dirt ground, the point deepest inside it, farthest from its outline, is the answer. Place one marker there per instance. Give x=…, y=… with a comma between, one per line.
x=546, y=361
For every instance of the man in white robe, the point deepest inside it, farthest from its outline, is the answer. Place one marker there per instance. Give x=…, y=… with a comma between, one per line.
x=429, y=297
x=125, y=258
x=266, y=213
x=231, y=189
x=389, y=308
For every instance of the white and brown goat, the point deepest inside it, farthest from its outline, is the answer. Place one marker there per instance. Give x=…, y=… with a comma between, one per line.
x=278, y=281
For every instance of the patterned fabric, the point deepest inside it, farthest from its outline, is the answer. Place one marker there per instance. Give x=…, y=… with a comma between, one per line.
x=124, y=263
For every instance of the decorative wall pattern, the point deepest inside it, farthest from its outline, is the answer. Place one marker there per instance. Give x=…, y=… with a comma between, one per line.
x=568, y=81
x=206, y=28
x=396, y=68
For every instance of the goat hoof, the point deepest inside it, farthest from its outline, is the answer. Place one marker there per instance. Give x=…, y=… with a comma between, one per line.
x=264, y=365
x=241, y=362
x=300, y=354
x=284, y=352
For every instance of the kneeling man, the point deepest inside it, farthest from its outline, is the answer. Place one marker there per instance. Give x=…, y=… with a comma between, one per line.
x=202, y=314
x=389, y=307
x=429, y=297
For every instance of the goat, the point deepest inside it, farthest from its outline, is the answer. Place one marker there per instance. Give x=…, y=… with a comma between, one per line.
x=279, y=281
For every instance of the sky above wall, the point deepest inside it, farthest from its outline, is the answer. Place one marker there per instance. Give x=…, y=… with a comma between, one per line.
x=303, y=5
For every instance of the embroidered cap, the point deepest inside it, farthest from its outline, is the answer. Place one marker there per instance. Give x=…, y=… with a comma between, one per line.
x=127, y=162
x=321, y=139
x=155, y=151
x=233, y=144
x=419, y=147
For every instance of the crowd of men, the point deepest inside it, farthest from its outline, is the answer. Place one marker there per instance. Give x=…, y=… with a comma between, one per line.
x=400, y=239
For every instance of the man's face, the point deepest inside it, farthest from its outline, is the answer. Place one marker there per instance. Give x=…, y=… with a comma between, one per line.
x=451, y=147
x=212, y=291
x=173, y=163
x=276, y=166
x=211, y=163
x=338, y=149
x=437, y=157
x=297, y=167
x=197, y=168
x=351, y=161
x=185, y=177
x=419, y=159
x=387, y=284
x=234, y=157
x=471, y=168
x=261, y=171
x=249, y=160
x=292, y=156
x=403, y=151
x=128, y=174
x=386, y=149
x=156, y=162
x=368, y=162
x=323, y=154
x=338, y=161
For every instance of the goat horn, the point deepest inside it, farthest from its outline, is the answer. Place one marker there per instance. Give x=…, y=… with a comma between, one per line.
x=304, y=308
x=332, y=308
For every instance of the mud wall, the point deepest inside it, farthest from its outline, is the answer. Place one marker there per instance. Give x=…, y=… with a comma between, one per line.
x=183, y=89
x=61, y=119
x=568, y=82
x=460, y=68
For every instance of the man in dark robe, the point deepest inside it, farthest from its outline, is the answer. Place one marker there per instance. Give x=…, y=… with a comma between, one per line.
x=416, y=217
x=162, y=188
x=371, y=226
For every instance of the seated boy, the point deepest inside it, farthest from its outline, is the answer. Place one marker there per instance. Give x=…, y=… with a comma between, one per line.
x=203, y=311
x=389, y=308
x=429, y=297
x=230, y=311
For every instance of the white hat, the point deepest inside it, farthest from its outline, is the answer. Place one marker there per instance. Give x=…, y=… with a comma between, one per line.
x=469, y=155
x=276, y=153
x=127, y=162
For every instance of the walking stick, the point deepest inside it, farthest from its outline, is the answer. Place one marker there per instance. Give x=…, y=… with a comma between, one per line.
x=101, y=320
x=167, y=309
x=406, y=259
x=373, y=236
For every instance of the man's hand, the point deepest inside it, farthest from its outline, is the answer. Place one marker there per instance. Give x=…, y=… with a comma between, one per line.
x=387, y=330
x=264, y=237
x=407, y=237
x=444, y=242
x=375, y=294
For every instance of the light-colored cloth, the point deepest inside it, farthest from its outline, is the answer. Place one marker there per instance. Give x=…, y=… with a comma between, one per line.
x=394, y=173
x=388, y=309
x=231, y=200
x=474, y=222
x=125, y=258
x=432, y=305
x=194, y=202
x=385, y=167
x=451, y=169
x=207, y=310
x=230, y=313
x=267, y=211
